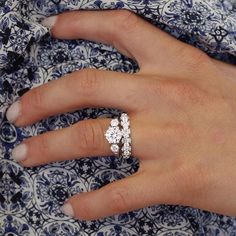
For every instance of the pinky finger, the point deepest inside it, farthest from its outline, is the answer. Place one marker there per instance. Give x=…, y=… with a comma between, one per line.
x=114, y=198
x=134, y=192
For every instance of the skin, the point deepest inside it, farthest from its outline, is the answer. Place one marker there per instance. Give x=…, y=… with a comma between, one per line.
x=182, y=106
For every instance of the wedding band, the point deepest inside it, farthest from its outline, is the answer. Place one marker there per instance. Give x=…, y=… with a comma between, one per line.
x=118, y=136
x=126, y=137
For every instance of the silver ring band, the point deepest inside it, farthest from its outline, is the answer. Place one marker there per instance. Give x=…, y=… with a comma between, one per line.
x=126, y=137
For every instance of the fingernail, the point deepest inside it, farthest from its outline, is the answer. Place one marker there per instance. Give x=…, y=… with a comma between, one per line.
x=67, y=210
x=49, y=21
x=19, y=152
x=14, y=112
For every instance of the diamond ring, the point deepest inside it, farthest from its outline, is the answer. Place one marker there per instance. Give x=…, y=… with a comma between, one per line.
x=114, y=135
x=119, y=136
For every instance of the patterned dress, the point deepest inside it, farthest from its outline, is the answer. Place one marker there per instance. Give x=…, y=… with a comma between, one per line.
x=30, y=198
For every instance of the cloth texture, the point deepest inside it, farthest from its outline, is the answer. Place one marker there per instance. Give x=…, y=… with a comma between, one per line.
x=30, y=198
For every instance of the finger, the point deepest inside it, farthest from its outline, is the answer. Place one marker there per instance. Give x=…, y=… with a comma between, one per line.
x=122, y=29
x=87, y=139
x=81, y=89
x=134, y=192
x=84, y=139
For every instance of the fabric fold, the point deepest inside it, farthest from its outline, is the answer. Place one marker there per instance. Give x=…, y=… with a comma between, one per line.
x=17, y=35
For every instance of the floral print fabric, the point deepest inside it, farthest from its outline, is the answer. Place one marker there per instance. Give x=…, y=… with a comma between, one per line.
x=30, y=198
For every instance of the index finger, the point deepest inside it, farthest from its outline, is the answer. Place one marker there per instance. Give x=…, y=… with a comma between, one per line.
x=123, y=29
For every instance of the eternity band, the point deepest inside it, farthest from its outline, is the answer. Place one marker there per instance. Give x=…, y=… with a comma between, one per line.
x=126, y=138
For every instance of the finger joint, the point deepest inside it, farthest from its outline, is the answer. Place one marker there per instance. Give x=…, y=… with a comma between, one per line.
x=89, y=136
x=88, y=82
x=125, y=21
x=118, y=198
x=37, y=99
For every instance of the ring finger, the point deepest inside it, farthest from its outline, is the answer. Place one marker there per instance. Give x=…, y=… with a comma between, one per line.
x=84, y=139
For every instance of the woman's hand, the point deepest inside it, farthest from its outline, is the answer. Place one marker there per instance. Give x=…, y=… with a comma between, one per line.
x=182, y=106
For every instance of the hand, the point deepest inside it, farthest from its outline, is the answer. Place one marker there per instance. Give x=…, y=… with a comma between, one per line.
x=182, y=106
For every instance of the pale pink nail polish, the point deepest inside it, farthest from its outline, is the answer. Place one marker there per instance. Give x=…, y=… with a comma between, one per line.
x=19, y=152
x=14, y=112
x=67, y=209
x=49, y=22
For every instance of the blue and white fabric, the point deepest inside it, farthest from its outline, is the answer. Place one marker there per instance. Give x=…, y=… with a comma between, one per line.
x=30, y=198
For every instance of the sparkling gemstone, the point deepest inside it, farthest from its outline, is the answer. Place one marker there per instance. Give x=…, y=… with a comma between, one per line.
x=124, y=119
x=114, y=122
x=126, y=148
x=115, y=148
x=125, y=127
x=126, y=140
x=126, y=153
x=113, y=135
x=124, y=122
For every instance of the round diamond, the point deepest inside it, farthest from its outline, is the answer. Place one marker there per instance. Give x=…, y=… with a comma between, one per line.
x=126, y=140
x=124, y=115
x=113, y=135
x=126, y=149
x=115, y=148
x=126, y=146
x=126, y=153
x=114, y=122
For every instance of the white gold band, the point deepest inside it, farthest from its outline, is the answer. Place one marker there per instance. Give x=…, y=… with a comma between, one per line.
x=126, y=137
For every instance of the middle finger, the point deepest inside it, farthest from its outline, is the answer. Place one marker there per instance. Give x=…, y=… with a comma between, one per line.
x=81, y=89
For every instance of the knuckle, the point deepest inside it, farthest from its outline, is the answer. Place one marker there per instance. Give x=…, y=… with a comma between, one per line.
x=191, y=182
x=118, y=198
x=193, y=58
x=125, y=20
x=226, y=108
x=36, y=100
x=41, y=145
x=89, y=136
x=176, y=134
x=178, y=130
x=88, y=82
x=184, y=92
x=226, y=105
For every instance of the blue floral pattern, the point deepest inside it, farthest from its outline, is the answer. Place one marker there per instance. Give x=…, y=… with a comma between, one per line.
x=30, y=198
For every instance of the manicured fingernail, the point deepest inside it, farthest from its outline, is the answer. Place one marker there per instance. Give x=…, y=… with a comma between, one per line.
x=49, y=21
x=19, y=152
x=67, y=210
x=14, y=112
